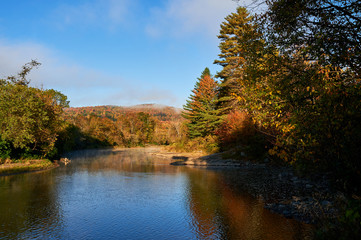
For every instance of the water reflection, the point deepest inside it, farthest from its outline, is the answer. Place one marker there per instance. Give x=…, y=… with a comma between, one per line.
x=28, y=206
x=221, y=212
x=129, y=194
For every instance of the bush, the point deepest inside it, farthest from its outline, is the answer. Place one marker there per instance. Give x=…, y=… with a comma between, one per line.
x=237, y=128
x=5, y=150
x=208, y=144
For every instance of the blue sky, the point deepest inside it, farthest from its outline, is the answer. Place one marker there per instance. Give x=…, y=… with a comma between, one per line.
x=113, y=52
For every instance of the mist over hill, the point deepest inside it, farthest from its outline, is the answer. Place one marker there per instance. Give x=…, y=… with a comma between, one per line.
x=161, y=112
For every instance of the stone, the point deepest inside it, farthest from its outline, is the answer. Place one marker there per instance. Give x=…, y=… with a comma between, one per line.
x=295, y=198
x=326, y=203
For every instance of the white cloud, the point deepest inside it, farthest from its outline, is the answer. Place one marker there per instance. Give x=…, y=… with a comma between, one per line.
x=181, y=17
x=83, y=86
x=107, y=14
x=55, y=72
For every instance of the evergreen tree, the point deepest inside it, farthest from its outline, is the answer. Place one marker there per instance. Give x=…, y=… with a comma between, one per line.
x=240, y=42
x=200, y=109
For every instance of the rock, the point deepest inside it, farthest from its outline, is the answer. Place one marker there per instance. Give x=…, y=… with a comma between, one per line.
x=326, y=203
x=281, y=206
x=287, y=213
x=295, y=198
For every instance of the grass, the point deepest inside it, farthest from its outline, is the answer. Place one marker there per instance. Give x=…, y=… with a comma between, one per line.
x=22, y=166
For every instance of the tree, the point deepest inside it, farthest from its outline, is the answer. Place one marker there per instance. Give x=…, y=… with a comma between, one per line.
x=328, y=31
x=146, y=126
x=240, y=42
x=21, y=78
x=200, y=109
x=30, y=118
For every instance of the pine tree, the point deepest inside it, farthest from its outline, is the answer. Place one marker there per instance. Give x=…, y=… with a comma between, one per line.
x=240, y=42
x=200, y=109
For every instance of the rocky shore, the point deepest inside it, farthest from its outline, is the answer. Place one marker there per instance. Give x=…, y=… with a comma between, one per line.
x=281, y=190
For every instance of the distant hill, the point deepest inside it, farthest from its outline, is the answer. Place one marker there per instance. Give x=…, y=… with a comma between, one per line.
x=161, y=112
x=100, y=126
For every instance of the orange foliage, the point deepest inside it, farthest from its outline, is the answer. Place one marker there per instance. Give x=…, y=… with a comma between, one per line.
x=237, y=127
x=128, y=126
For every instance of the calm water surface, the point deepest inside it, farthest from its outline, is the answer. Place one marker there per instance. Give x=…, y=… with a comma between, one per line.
x=128, y=194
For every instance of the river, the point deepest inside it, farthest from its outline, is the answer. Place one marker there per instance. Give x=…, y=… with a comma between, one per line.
x=130, y=194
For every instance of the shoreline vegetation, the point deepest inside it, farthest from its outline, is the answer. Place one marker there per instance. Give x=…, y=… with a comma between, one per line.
x=26, y=166
x=284, y=108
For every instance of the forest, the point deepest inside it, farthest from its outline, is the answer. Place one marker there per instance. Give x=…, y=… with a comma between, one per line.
x=289, y=90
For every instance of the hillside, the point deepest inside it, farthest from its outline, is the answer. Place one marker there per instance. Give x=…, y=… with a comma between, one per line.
x=161, y=112
x=99, y=126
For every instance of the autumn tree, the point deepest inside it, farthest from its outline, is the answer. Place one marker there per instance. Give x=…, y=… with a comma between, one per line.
x=200, y=109
x=145, y=128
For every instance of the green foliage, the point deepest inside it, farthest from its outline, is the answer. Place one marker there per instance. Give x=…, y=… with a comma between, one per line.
x=240, y=40
x=200, y=109
x=208, y=144
x=73, y=138
x=30, y=118
x=146, y=128
x=5, y=149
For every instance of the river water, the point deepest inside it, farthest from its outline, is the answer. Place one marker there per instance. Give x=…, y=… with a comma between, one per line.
x=130, y=194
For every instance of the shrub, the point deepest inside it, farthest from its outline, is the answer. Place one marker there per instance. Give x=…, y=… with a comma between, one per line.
x=5, y=149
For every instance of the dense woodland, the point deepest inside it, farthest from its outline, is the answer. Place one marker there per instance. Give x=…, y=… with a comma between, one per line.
x=90, y=127
x=289, y=91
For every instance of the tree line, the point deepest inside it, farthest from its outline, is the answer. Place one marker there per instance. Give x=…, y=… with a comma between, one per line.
x=289, y=90
x=30, y=118
x=37, y=123
x=290, y=78
x=90, y=127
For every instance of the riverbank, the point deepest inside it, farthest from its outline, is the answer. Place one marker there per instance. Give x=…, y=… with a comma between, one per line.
x=25, y=166
x=309, y=200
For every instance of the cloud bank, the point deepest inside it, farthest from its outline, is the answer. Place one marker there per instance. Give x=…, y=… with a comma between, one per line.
x=183, y=17
x=83, y=86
